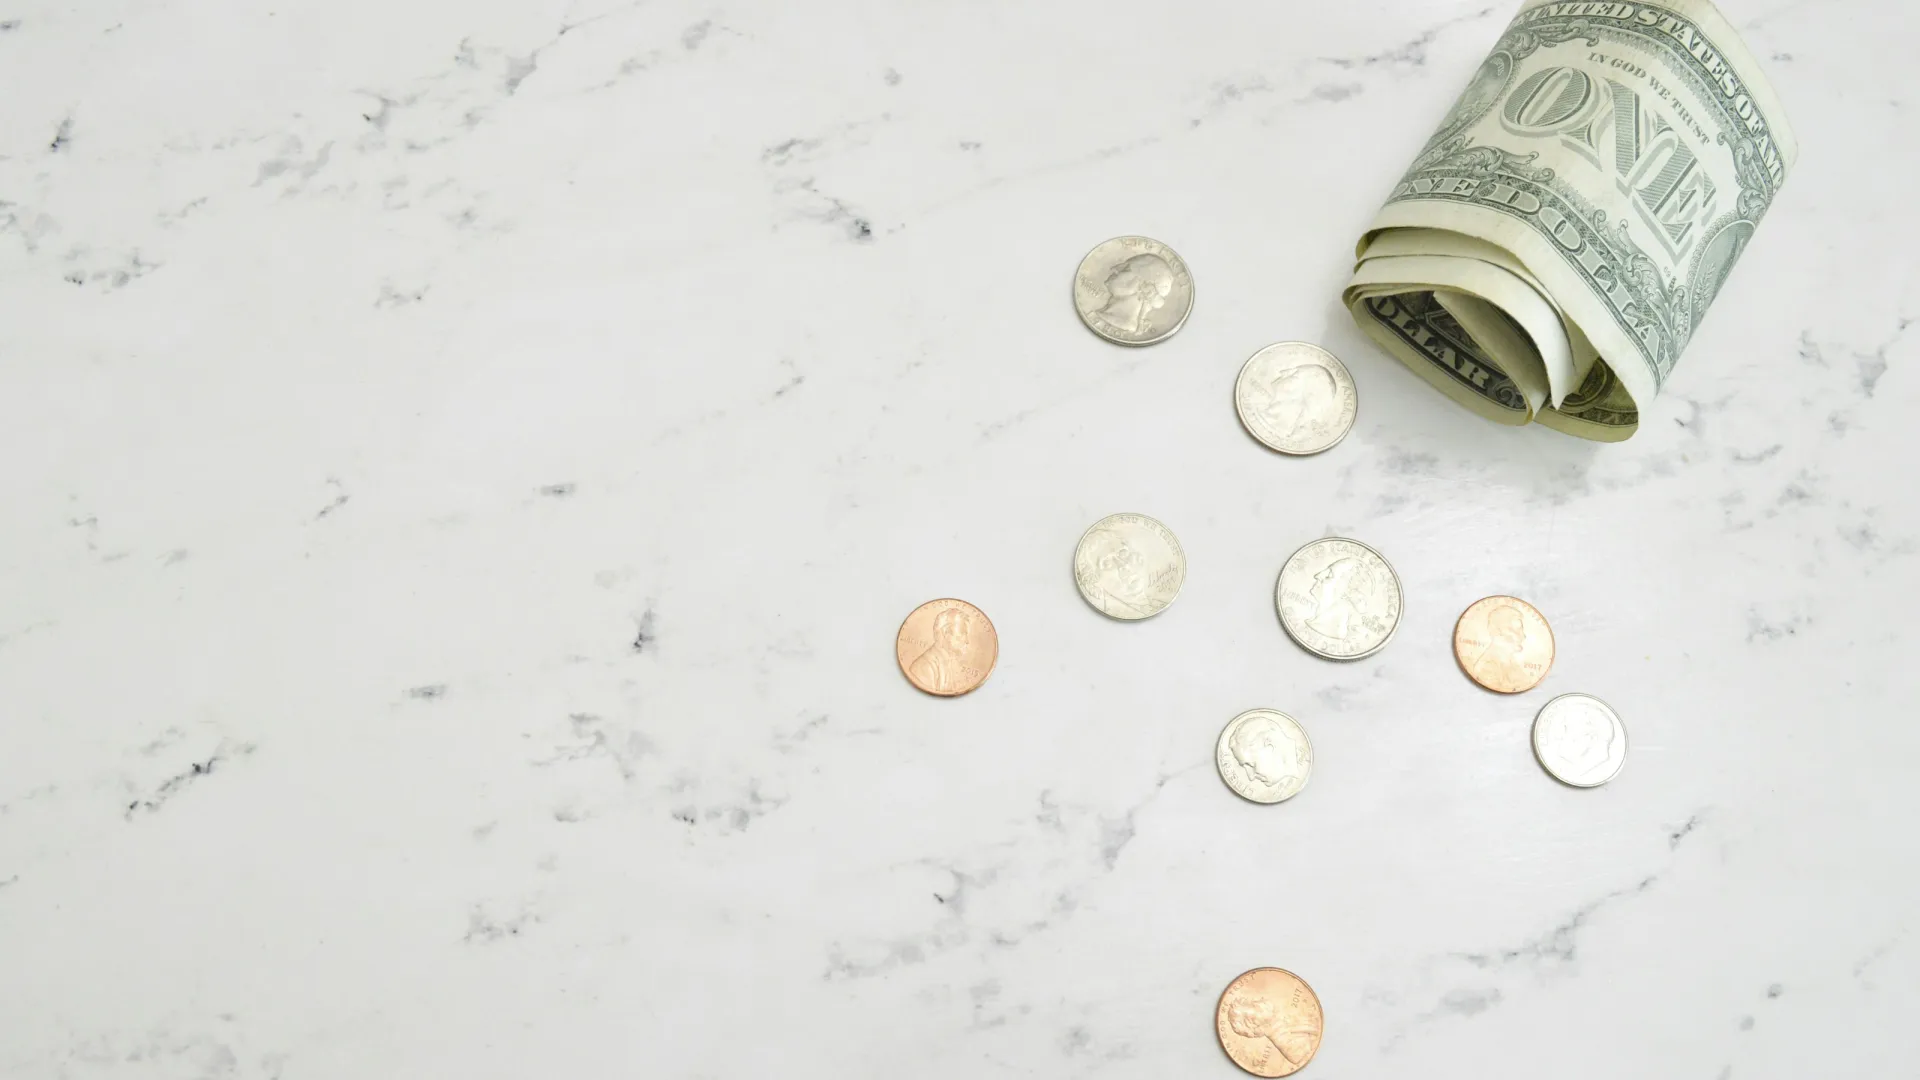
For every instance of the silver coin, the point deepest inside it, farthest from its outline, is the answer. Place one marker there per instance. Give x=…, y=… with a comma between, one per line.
x=1338, y=598
x=1133, y=291
x=1296, y=398
x=1264, y=756
x=1129, y=566
x=1579, y=740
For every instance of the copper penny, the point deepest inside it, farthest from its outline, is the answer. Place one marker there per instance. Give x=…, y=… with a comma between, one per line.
x=1269, y=1022
x=1504, y=644
x=947, y=647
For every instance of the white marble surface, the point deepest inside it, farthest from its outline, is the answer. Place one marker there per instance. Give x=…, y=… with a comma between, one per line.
x=466, y=463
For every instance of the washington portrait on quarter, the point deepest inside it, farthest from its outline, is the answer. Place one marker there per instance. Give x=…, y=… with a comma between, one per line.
x=1338, y=598
x=1133, y=291
x=1295, y=398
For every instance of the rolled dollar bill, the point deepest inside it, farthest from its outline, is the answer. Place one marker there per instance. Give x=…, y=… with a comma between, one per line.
x=1555, y=244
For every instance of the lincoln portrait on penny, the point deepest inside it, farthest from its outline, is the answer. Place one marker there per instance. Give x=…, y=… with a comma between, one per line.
x=941, y=667
x=1499, y=664
x=1257, y=1018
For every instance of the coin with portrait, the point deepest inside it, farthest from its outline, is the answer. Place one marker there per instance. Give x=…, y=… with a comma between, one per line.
x=1296, y=398
x=947, y=647
x=1269, y=1022
x=1129, y=566
x=1580, y=740
x=1338, y=599
x=1504, y=644
x=1133, y=291
x=1264, y=756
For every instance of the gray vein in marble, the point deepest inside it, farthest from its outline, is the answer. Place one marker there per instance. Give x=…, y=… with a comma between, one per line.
x=1339, y=697
x=594, y=740
x=1686, y=828
x=1554, y=951
x=116, y=273
x=1412, y=53
x=485, y=927
x=63, y=136
x=993, y=429
x=392, y=296
x=561, y=490
x=1762, y=628
x=789, y=742
x=340, y=498
x=644, y=634
x=223, y=753
x=790, y=385
x=29, y=225
x=1755, y=458
x=796, y=185
x=730, y=817
x=429, y=692
x=1865, y=965
x=168, y=1051
x=30, y=628
x=293, y=162
x=1558, y=946
x=1046, y=836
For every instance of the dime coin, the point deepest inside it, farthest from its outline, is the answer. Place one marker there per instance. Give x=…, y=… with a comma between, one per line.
x=947, y=647
x=1296, y=398
x=1264, y=756
x=1338, y=598
x=1579, y=740
x=1129, y=566
x=1504, y=644
x=1133, y=291
x=1269, y=1022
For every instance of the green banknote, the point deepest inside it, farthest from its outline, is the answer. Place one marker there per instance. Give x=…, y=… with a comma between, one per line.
x=1553, y=247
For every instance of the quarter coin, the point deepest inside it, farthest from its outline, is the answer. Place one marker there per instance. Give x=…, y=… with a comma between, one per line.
x=1133, y=291
x=1579, y=740
x=1264, y=756
x=947, y=647
x=1129, y=566
x=1296, y=398
x=1338, y=599
x=1269, y=1022
x=1504, y=644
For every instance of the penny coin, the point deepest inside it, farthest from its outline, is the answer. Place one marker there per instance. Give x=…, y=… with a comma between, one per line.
x=1264, y=756
x=1338, y=599
x=1269, y=1022
x=1133, y=291
x=1579, y=740
x=1129, y=566
x=1504, y=644
x=947, y=647
x=1296, y=398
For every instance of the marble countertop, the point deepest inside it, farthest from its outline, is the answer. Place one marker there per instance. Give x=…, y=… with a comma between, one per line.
x=468, y=461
